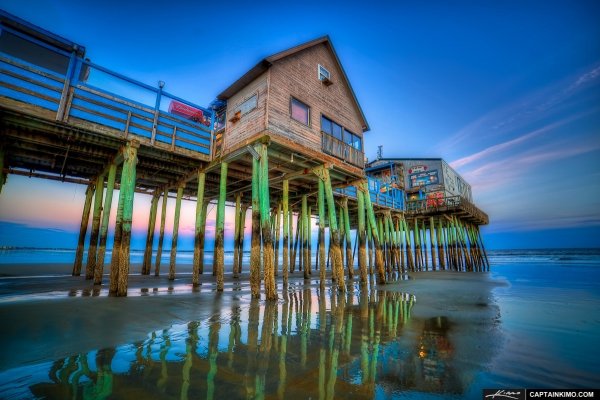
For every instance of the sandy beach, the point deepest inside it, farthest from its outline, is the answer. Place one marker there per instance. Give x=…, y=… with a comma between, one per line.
x=437, y=334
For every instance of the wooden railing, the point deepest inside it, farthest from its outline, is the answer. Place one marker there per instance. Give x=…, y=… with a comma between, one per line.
x=448, y=203
x=92, y=93
x=392, y=198
x=341, y=150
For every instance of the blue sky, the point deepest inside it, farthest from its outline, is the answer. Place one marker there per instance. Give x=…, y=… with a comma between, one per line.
x=506, y=92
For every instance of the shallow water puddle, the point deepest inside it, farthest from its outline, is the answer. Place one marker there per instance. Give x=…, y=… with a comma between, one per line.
x=310, y=344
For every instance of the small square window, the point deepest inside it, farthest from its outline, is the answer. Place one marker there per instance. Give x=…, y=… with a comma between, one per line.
x=324, y=74
x=300, y=111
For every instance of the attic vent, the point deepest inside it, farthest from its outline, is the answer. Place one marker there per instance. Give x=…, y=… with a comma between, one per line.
x=324, y=75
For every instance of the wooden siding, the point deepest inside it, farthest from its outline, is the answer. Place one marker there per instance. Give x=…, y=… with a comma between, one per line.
x=250, y=123
x=296, y=76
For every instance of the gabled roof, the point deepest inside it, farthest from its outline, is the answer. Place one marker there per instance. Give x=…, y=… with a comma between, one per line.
x=266, y=63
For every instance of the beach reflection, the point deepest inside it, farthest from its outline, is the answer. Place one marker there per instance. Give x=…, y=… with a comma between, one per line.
x=311, y=344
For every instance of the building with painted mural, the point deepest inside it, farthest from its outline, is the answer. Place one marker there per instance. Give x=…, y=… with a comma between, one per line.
x=421, y=178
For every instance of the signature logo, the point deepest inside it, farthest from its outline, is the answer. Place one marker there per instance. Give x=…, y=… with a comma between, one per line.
x=503, y=394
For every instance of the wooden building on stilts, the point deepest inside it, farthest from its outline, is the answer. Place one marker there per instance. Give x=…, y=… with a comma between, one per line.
x=285, y=142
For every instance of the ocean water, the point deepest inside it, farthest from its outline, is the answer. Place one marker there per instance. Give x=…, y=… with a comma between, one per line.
x=540, y=328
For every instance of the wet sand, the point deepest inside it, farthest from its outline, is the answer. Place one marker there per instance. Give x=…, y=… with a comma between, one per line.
x=49, y=314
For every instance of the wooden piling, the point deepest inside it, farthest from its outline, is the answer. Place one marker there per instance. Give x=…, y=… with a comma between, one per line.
x=127, y=191
x=369, y=240
x=161, y=234
x=173, y=258
x=432, y=242
x=277, y=238
x=321, y=211
x=334, y=235
x=361, y=234
x=309, y=239
x=96, y=216
x=85, y=217
x=409, y=253
x=424, y=244
x=388, y=243
x=417, y=241
x=376, y=239
x=199, y=230
x=349, y=257
x=295, y=240
x=150, y=235
x=219, y=251
x=305, y=228
x=255, y=245
x=441, y=243
x=110, y=185
x=269, y=276
x=116, y=251
x=236, y=234
x=287, y=224
x=243, y=212
x=402, y=240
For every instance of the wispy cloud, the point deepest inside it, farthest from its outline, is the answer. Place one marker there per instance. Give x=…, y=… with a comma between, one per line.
x=504, y=172
x=509, y=144
x=526, y=110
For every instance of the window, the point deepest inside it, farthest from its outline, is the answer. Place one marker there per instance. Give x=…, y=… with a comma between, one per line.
x=353, y=140
x=326, y=125
x=323, y=73
x=300, y=111
x=337, y=131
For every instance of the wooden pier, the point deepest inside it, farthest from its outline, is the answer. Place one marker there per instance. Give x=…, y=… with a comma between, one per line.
x=286, y=141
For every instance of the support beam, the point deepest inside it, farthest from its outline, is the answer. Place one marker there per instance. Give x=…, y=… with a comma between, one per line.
x=199, y=230
x=321, y=211
x=441, y=243
x=349, y=258
x=242, y=236
x=334, y=236
x=173, y=258
x=287, y=220
x=361, y=234
x=110, y=185
x=277, y=237
x=376, y=238
x=127, y=192
x=269, y=276
x=236, y=234
x=369, y=240
x=432, y=243
x=219, y=251
x=116, y=251
x=150, y=235
x=161, y=234
x=255, y=249
x=85, y=217
x=309, y=259
x=305, y=229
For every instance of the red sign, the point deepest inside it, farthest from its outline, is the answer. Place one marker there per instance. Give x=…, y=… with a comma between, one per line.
x=183, y=110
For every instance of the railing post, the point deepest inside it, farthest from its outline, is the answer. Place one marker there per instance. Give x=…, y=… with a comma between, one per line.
x=161, y=85
x=62, y=105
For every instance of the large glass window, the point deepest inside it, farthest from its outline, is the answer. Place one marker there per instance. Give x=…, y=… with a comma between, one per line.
x=337, y=131
x=326, y=125
x=353, y=140
x=300, y=111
